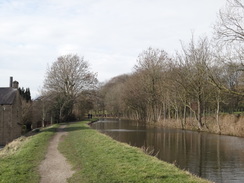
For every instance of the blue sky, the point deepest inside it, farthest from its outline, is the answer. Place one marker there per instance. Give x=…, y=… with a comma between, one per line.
x=110, y=34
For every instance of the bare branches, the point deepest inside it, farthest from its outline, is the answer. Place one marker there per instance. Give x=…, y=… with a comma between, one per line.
x=69, y=75
x=65, y=80
x=230, y=27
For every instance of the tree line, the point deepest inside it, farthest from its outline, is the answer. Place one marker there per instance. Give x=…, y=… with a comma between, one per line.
x=204, y=78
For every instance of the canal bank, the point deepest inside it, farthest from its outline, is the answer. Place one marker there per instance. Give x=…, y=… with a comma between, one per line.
x=98, y=158
x=228, y=124
x=19, y=160
x=218, y=158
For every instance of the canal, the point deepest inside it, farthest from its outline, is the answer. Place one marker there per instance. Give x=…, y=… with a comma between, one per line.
x=214, y=157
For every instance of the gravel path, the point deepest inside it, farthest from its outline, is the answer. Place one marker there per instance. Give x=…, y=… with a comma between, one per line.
x=54, y=168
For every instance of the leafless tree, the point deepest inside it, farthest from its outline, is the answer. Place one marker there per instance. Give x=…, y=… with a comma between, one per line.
x=65, y=80
x=135, y=97
x=229, y=32
x=27, y=116
x=112, y=93
x=190, y=85
x=151, y=66
x=194, y=59
x=230, y=25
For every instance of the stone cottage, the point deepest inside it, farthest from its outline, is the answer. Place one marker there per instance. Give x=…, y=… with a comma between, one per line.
x=10, y=113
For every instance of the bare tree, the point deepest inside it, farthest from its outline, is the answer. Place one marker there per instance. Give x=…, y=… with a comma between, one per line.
x=151, y=65
x=178, y=85
x=195, y=58
x=229, y=32
x=230, y=26
x=68, y=76
x=135, y=97
x=112, y=93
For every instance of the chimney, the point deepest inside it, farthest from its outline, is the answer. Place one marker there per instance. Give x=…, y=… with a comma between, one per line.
x=11, y=82
x=15, y=84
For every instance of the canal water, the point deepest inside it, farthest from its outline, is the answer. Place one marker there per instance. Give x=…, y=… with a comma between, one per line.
x=214, y=157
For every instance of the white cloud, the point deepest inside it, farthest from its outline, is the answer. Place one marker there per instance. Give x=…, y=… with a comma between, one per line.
x=109, y=34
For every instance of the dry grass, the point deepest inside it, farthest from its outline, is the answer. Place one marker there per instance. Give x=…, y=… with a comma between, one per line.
x=13, y=146
x=230, y=124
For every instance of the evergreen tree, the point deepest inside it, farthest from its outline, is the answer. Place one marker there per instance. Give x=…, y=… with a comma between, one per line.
x=25, y=94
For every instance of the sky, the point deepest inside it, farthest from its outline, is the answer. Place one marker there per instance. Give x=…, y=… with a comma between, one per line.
x=109, y=34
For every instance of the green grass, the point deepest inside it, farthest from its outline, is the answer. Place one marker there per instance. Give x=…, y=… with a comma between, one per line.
x=98, y=158
x=19, y=162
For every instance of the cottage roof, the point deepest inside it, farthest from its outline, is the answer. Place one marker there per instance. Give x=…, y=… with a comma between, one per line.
x=7, y=96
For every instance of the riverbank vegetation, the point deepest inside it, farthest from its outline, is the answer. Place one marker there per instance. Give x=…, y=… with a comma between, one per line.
x=197, y=88
x=20, y=159
x=98, y=158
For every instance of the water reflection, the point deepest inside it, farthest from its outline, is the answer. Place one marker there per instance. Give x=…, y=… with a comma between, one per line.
x=214, y=157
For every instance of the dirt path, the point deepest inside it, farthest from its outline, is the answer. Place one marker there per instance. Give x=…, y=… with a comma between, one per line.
x=54, y=168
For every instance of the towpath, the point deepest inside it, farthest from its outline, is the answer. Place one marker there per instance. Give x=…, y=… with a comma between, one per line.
x=54, y=168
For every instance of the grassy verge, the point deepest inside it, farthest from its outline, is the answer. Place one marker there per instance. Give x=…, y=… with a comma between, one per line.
x=20, y=159
x=99, y=158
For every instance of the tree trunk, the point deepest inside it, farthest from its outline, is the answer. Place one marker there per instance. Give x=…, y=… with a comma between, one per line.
x=43, y=115
x=199, y=113
x=217, y=111
x=169, y=114
x=184, y=117
x=165, y=113
x=51, y=119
